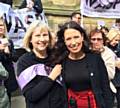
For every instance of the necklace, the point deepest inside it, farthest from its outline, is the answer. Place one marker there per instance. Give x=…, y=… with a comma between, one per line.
x=77, y=57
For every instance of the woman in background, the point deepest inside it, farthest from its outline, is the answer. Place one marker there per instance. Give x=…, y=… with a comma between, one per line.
x=6, y=58
x=113, y=41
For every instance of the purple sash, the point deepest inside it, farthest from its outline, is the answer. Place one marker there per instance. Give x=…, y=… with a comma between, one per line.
x=28, y=74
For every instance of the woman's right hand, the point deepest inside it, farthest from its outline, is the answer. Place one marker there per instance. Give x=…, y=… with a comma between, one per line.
x=56, y=71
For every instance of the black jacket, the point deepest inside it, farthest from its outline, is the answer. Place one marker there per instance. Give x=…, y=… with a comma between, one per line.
x=7, y=61
x=116, y=79
x=99, y=80
x=40, y=92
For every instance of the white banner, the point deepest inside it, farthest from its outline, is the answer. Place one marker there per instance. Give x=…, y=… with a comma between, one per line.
x=18, y=21
x=100, y=8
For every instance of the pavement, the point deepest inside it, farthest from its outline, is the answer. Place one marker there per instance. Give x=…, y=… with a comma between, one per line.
x=18, y=102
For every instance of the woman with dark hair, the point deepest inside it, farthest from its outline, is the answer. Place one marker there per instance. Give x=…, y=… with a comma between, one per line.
x=38, y=81
x=84, y=72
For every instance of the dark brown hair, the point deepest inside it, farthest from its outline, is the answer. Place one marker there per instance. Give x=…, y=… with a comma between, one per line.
x=61, y=51
x=94, y=31
x=74, y=14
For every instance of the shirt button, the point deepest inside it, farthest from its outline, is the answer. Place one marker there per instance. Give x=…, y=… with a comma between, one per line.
x=60, y=78
x=91, y=74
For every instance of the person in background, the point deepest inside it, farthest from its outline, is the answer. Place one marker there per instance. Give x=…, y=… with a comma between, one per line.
x=113, y=40
x=39, y=82
x=84, y=72
x=104, y=29
x=36, y=4
x=117, y=23
x=76, y=16
x=6, y=58
x=98, y=45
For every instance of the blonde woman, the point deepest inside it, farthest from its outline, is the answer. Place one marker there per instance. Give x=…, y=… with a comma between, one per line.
x=39, y=83
x=113, y=41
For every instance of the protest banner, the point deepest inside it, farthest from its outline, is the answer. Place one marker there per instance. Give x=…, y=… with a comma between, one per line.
x=100, y=8
x=18, y=21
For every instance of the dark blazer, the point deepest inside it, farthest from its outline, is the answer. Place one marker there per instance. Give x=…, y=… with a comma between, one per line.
x=99, y=80
x=7, y=61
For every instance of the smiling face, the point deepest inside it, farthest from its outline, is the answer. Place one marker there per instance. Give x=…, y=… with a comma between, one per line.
x=115, y=40
x=97, y=41
x=73, y=40
x=40, y=40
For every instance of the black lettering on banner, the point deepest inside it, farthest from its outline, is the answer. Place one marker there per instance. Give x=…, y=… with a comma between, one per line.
x=10, y=22
x=19, y=25
x=99, y=4
x=90, y=2
x=28, y=19
x=39, y=16
x=117, y=2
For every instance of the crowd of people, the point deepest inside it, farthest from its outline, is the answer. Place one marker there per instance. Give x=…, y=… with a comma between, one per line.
x=67, y=69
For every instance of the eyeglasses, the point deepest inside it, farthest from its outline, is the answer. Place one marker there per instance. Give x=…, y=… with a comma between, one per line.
x=98, y=39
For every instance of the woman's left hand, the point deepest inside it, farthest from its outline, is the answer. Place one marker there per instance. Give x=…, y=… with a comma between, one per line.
x=56, y=71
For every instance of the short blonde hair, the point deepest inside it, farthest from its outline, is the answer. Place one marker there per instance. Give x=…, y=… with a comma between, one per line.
x=27, y=38
x=112, y=34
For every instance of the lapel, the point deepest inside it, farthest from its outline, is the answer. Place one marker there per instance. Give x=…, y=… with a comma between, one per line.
x=90, y=66
x=91, y=71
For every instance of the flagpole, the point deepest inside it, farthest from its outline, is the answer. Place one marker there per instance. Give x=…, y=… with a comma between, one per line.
x=82, y=20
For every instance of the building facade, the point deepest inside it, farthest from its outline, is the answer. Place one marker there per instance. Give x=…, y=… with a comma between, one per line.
x=59, y=11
